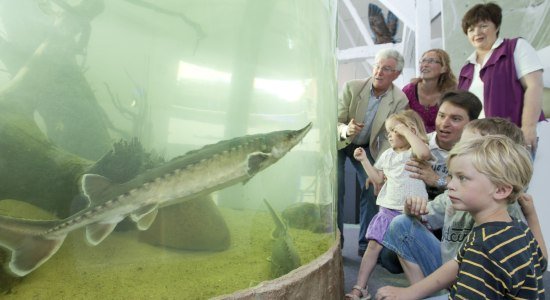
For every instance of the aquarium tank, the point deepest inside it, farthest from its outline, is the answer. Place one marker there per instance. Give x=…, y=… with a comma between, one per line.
x=164, y=149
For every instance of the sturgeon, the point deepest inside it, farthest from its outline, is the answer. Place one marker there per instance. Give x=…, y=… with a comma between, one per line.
x=199, y=172
x=284, y=257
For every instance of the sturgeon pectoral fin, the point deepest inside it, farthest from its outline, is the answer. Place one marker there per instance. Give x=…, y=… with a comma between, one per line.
x=97, y=232
x=145, y=218
x=256, y=162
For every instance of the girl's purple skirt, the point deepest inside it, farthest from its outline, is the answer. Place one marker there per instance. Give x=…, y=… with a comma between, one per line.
x=380, y=223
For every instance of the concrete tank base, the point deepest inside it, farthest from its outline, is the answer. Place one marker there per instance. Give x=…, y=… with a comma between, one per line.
x=322, y=278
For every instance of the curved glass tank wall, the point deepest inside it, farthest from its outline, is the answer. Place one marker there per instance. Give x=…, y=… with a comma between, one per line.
x=185, y=119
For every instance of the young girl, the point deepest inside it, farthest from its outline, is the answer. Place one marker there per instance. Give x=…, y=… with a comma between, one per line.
x=407, y=138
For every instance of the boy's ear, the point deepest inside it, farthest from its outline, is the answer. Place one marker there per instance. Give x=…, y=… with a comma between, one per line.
x=503, y=192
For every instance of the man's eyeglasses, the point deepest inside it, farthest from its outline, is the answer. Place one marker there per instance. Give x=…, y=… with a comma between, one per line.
x=384, y=69
x=430, y=61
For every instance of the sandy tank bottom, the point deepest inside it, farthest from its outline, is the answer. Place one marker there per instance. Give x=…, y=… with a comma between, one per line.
x=121, y=267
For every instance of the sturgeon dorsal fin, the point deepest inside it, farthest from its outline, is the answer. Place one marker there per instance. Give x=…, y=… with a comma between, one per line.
x=145, y=216
x=94, y=185
x=97, y=232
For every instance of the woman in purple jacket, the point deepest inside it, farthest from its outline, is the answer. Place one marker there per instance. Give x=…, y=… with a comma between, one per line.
x=506, y=74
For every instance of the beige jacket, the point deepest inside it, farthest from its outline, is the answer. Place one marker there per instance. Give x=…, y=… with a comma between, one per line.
x=353, y=104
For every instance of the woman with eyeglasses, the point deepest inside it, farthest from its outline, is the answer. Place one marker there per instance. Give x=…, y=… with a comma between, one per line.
x=506, y=74
x=436, y=77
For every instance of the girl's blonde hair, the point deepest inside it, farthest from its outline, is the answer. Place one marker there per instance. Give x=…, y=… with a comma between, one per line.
x=502, y=160
x=413, y=121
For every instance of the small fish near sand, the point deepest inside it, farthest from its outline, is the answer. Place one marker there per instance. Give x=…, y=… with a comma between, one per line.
x=309, y=216
x=284, y=257
x=197, y=173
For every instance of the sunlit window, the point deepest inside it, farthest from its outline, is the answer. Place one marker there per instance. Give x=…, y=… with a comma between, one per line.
x=289, y=90
x=190, y=71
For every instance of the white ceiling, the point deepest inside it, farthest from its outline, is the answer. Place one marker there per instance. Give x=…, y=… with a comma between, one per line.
x=356, y=39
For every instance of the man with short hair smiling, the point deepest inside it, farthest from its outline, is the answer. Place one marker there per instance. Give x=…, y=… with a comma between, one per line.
x=362, y=110
x=456, y=109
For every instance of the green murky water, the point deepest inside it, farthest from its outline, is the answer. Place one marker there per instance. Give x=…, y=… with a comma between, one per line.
x=176, y=75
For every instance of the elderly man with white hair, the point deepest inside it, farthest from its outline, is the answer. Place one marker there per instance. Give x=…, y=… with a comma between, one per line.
x=362, y=110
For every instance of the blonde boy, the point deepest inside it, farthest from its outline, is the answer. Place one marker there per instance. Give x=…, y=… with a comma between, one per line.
x=500, y=257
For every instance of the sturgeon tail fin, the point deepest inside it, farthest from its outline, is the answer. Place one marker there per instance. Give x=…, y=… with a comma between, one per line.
x=280, y=229
x=28, y=246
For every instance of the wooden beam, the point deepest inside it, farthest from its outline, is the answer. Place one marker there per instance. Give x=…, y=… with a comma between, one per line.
x=347, y=33
x=403, y=10
x=360, y=25
x=422, y=29
x=363, y=52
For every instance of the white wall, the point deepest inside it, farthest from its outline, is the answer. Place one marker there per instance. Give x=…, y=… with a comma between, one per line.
x=540, y=181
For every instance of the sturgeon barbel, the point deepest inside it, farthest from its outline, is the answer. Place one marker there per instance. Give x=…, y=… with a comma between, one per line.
x=196, y=173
